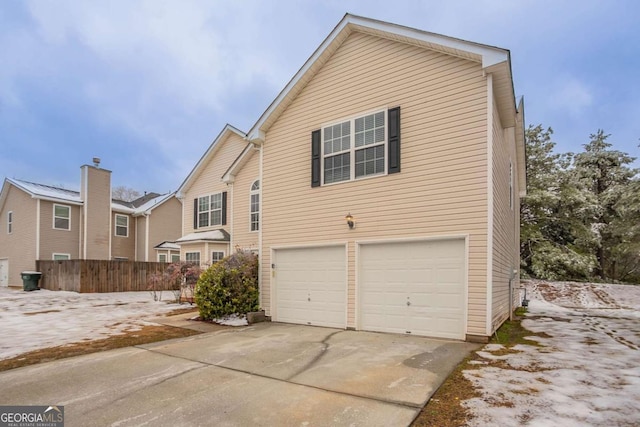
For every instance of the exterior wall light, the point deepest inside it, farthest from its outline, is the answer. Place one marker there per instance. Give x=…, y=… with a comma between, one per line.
x=350, y=221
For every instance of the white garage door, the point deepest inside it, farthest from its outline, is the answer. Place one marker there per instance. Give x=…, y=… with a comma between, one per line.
x=311, y=286
x=413, y=287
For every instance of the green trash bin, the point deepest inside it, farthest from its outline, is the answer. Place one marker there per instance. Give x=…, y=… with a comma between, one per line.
x=30, y=280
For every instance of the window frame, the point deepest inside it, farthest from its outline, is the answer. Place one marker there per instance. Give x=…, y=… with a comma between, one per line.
x=221, y=254
x=511, y=199
x=353, y=149
x=254, y=225
x=186, y=254
x=210, y=211
x=10, y=222
x=58, y=254
x=162, y=255
x=56, y=217
x=175, y=258
x=126, y=227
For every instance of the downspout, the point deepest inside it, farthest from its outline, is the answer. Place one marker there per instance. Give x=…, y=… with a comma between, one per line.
x=38, y=228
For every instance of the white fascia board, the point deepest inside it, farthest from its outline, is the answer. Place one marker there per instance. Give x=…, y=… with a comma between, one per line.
x=490, y=56
x=206, y=156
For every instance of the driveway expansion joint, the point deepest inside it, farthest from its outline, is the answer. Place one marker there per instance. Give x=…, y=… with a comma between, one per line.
x=400, y=403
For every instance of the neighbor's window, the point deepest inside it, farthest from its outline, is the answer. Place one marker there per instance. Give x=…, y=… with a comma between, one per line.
x=210, y=210
x=255, y=206
x=175, y=257
x=193, y=257
x=61, y=257
x=9, y=222
x=61, y=217
x=122, y=225
x=162, y=257
x=216, y=256
x=354, y=148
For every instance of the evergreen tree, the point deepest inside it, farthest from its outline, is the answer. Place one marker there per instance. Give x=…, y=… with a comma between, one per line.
x=553, y=235
x=607, y=180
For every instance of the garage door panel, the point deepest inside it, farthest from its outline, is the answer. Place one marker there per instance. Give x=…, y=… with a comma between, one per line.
x=428, y=275
x=311, y=286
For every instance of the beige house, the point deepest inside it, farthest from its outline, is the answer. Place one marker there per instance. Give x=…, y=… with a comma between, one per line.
x=221, y=200
x=42, y=222
x=389, y=172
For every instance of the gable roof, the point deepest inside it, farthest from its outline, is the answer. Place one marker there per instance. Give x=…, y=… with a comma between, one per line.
x=207, y=156
x=50, y=193
x=246, y=154
x=205, y=236
x=493, y=59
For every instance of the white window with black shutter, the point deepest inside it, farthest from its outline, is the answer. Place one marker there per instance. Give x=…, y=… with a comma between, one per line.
x=356, y=148
x=210, y=210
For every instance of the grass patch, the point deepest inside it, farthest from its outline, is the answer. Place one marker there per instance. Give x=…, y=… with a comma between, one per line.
x=146, y=335
x=444, y=409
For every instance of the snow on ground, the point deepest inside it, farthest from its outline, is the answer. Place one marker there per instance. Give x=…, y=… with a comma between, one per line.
x=41, y=319
x=586, y=371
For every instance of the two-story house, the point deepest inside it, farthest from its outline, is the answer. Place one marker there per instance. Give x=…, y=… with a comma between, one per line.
x=387, y=176
x=43, y=222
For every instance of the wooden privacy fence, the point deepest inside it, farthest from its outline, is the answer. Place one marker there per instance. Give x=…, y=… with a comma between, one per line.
x=87, y=276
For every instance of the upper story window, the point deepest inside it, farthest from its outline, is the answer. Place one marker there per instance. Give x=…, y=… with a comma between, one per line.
x=351, y=149
x=210, y=210
x=255, y=206
x=61, y=217
x=122, y=225
x=9, y=222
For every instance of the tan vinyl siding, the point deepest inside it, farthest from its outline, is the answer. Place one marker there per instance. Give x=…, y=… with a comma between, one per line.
x=242, y=236
x=19, y=247
x=96, y=192
x=505, y=221
x=205, y=250
x=165, y=224
x=140, y=238
x=442, y=187
x=209, y=180
x=58, y=241
x=123, y=247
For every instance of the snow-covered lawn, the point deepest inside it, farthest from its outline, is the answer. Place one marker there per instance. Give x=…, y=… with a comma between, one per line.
x=586, y=371
x=41, y=319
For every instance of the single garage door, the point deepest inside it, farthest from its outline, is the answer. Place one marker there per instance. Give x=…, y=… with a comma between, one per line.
x=311, y=286
x=413, y=287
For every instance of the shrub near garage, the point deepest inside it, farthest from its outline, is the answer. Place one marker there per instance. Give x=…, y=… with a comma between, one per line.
x=228, y=287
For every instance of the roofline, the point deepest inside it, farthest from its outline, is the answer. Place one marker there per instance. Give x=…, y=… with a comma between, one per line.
x=33, y=195
x=490, y=55
x=210, y=151
x=166, y=197
x=234, y=169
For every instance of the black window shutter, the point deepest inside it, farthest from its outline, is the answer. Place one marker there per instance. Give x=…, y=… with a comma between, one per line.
x=394, y=140
x=224, y=208
x=195, y=214
x=315, y=158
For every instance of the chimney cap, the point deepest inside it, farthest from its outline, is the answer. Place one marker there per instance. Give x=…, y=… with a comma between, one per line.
x=96, y=161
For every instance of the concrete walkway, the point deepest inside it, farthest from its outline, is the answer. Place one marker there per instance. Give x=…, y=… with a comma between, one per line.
x=265, y=374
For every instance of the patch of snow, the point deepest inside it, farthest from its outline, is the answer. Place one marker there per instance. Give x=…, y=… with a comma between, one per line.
x=586, y=372
x=41, y=319
x=232, y=320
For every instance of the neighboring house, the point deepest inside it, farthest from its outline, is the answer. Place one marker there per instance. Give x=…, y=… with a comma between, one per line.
x=390, y=170
x=42, y=222
x=221, y=200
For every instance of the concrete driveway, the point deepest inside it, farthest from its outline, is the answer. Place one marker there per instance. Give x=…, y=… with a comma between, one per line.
x=265, y=374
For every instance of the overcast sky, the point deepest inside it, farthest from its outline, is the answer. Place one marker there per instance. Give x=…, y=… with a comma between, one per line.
x=147, y=85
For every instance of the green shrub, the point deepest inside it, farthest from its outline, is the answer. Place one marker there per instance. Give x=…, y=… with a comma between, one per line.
x=229, y=287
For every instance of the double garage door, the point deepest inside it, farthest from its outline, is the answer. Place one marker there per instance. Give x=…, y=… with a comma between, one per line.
x=415, y=287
